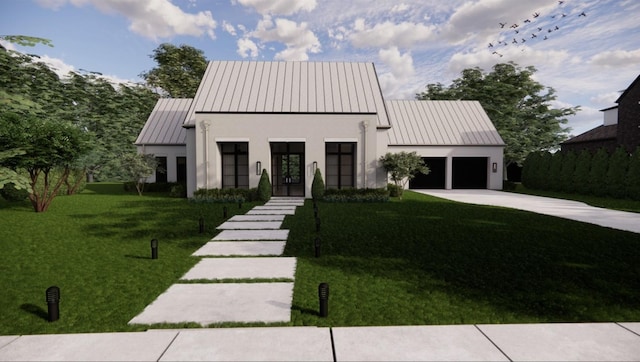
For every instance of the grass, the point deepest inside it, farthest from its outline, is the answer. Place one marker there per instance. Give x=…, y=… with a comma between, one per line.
x=95, y=246
x=422, y=260
x=604, y=202
x=426, y=260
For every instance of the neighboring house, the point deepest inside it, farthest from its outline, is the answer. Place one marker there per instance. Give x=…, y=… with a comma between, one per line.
x=293, y=117
x=621, y=126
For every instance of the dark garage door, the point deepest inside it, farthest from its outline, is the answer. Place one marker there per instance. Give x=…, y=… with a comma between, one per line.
x=469, y=173
x=436, y=177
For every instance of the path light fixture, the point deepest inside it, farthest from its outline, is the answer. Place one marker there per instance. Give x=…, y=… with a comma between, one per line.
x=240, y=204
x=224, y=212
x=201, y=224
x=317, y=224
x=315, y=166
x=315, y=209
x=258, y=168
x=53, y=303
x=316, y=246
x=323, y=296
x=154, y=248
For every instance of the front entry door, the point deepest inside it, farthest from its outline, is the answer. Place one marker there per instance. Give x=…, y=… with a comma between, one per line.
x=287, y=168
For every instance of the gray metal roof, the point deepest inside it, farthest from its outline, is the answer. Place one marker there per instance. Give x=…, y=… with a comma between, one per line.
x=440, y=123
x=289, y=87
x=164, y=125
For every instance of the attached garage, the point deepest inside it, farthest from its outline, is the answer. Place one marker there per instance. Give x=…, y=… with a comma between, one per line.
x=457, y=140
x=435, y=179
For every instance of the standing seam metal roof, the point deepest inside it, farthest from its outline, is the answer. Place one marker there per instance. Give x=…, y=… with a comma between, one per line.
x=439, y=123
x=289, y=87
x=164, y=125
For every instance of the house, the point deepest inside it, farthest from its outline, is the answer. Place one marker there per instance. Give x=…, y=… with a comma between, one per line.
x=293, y=117
x=620, y=127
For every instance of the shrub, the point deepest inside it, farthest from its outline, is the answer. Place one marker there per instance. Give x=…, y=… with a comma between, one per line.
x=616, y=173
x=317, y=186
x=555, y=171
x=225, y=195
x=10, y=193
x=632, y=181
x=598, y=172
x=395, y=190
x=566, y=172
x=356, y=195
x=264, y=187
x=508, y=185
x=581, y=173
x=178, y=190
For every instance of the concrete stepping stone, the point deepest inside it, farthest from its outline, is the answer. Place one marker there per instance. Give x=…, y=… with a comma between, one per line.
x=251, y=235
x=274, y=207
x=220, y=302
x=271, y=212
x=241, y=248
x=250, y=225
x=242, y=268
x=257, y=218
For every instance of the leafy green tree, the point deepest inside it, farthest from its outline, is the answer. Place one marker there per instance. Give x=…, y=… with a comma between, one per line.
x=264, y=186
x=48, y=146
x=566, y=172
x=616, y=173
x=598, y=173
x=10, y=176
x=519, y=107
x=403, y=166
x=138, y=168
x=632, y=181
x=317, y=186
x=179, y=71
x=581, y=173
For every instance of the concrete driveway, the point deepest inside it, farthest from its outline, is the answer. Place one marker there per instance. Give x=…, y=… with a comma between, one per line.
x=567, y=209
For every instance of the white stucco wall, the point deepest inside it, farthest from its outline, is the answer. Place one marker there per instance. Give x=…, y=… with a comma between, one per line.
x=260, y=129
x=610, y=116
x=493, y=153
x=170, y=152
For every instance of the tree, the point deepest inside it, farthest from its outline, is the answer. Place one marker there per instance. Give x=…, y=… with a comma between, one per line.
x=137, y=168
x=598, y=172
x=48, y=146
x=566, y=172
x=179, y=71
x=519, y=107
x=8, y=175
x=403, y=166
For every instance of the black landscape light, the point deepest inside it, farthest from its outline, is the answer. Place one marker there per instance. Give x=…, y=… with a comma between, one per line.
x=154, y=248
x=224, y=212
x=317, y=224
x=240, y=204
x=316, y=246
x=315, y=209
x=53, y=303
x=323, y=295
x=201, y=224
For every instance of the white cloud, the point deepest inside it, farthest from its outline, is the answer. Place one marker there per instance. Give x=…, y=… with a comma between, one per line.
x=297, y=38
x=150, y=18
x=386, y=34
x=617, y=58
x=246, y=48
x=279, y=7
x=605, y=99
x=401, y=71
x=229, y=28
x=400, y=8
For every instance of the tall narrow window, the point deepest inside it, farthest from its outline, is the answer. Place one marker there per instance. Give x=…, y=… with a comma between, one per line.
x=341, y=165
x=161, y=170
x=235, y=165
x=181, y=169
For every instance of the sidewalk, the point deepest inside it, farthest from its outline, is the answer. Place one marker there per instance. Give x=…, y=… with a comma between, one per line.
x=504, y=342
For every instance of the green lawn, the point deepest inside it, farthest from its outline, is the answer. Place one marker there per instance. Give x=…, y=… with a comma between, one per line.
x=426, y=260
x=421, y=260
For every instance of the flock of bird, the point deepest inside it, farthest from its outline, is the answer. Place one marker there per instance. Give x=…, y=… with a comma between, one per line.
x=520, y=36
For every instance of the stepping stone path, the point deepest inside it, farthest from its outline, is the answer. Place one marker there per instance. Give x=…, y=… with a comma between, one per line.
x=216, y=288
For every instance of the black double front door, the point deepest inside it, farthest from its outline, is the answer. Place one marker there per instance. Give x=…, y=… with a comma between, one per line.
x=287, y=168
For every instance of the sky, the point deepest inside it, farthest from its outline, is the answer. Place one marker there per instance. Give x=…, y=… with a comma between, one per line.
x=588, y=51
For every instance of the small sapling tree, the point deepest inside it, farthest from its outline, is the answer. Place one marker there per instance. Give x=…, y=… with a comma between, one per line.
x=402, y=167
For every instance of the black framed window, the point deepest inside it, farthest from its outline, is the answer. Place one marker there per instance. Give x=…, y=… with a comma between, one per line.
x=341, y=165
x=235, y=165
x=181, y=169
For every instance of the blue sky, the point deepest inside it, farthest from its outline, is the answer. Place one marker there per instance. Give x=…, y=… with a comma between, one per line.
x=587, y=59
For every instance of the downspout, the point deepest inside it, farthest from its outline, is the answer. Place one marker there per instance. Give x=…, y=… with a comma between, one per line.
x=205, y=131
x=365, y=126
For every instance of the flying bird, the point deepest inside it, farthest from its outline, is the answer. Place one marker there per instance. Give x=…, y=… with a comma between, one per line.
x=496, y=53
x=514, y=26
x=527, y=21
x=560, y=2
x=535, y=15
x=539, y=29
x=545, y=38
x=490, y=45
x=557, y=28
x=514, y=41
x=533, y=36
x=524, y=40
x=517, y=31
x=582, y=14
x=502, y=25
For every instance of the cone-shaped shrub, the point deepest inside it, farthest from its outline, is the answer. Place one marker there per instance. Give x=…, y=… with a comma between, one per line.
x=529, y=169
x=632, y=181
x=566, y=174
x=598, y=173
x=542, y=172
x=555, y=171
x=264, y=187
x=617, y=172
x=581, y=173
x=317, y=186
